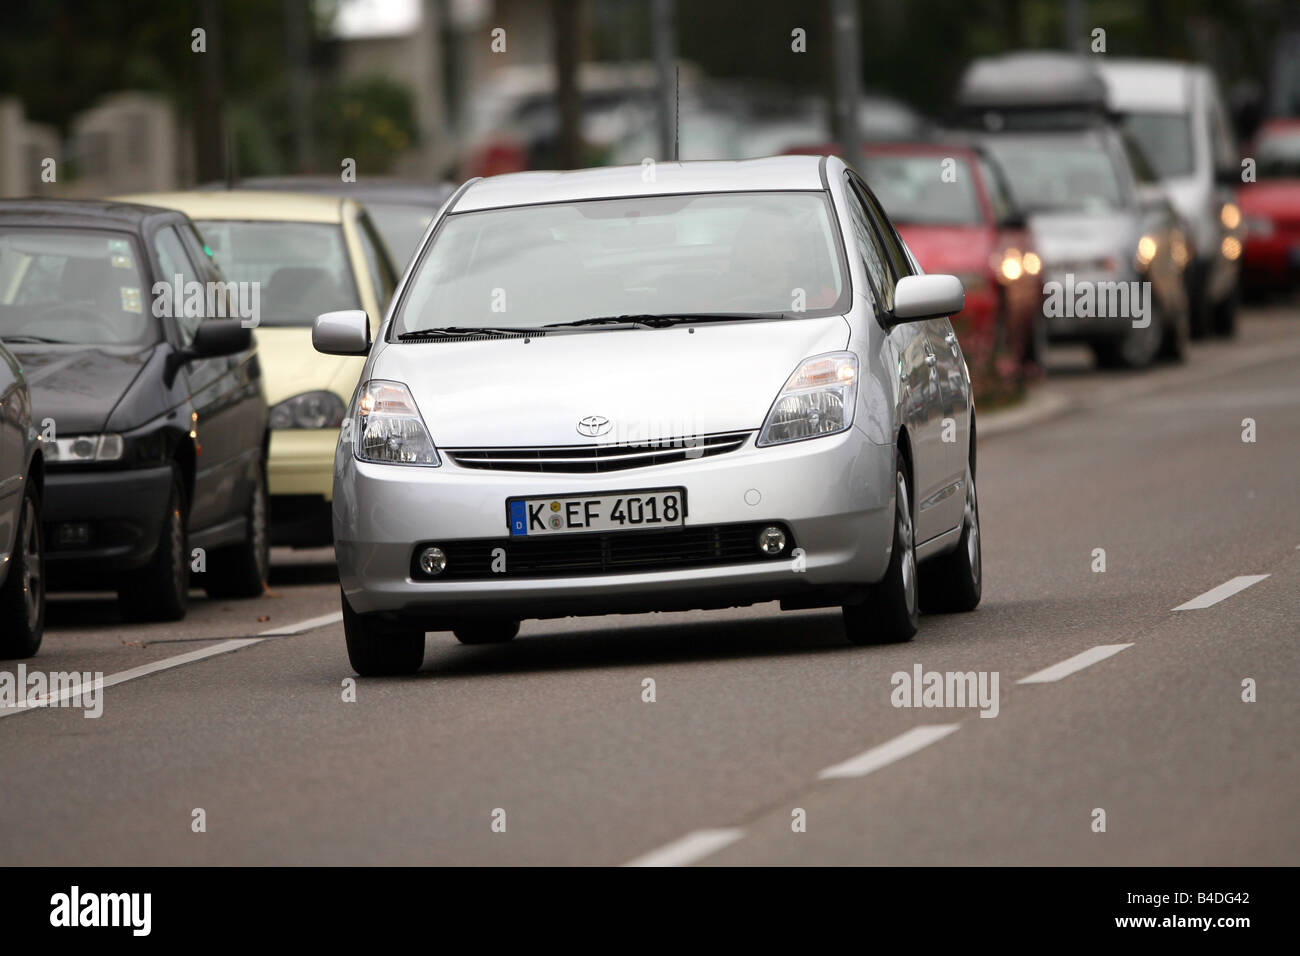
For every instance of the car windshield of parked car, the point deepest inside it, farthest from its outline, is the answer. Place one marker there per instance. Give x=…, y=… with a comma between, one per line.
x=1278, y=155
x=401, y=226
x=1059, y=173
x=302, y=268
x=73, y=286
x=768, y=253
x=922, y=190
x=1165, y=139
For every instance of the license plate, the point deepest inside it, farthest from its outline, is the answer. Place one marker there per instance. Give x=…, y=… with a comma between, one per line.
x=617, y=511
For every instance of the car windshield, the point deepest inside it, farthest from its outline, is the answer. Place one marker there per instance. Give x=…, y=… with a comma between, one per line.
x=400, y=226
x=302, y=268
x=528, y=266
x=915, y=190
x=73, y=286
x=1059, y=173
x=1165, y=139
x=1278, y=154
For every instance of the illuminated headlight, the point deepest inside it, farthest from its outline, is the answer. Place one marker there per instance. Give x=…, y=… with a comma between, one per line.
x=308, y=410
x=84, y=448
x=817, y=400
x=390, y=429
x=1146, y=251
x=1230, y=215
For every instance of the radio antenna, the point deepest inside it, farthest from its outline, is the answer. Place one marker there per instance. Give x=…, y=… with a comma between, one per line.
x=677, y=117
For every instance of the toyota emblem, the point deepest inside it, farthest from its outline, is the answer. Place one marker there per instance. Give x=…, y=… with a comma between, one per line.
x=593, y=425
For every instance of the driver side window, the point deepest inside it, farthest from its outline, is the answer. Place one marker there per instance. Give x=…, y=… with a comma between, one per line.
x=176, y=262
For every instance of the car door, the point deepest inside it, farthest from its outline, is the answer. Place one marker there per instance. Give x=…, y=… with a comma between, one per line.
x=211, y=386
x=917, y=368
x=13, y=425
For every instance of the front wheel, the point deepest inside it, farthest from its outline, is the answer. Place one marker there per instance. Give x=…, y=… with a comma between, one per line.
x=890, y=613
x=376, y=649
x=160, y=591
x=22, y=598
x=953, y=581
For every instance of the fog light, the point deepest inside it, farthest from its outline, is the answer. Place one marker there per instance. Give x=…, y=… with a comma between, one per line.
x=432, y=561
x=771, y=541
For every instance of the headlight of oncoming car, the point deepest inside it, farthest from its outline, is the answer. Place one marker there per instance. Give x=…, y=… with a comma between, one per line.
x=308, y=410
x=389, y=427
x=84, y=448
x=817, y=400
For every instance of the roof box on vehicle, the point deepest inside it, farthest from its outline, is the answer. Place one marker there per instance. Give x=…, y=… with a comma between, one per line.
x=1031, y=90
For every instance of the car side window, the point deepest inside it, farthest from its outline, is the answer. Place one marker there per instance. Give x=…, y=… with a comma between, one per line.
x=381, y=276
x=999, y=198
x=895, y=251
x=176, y=262
x=870, y=250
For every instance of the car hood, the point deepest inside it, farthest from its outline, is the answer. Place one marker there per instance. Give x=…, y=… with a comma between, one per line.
x=650, y=383
x=1066, y=238
x=79, y=387
x=290, y=366
x=949, y=249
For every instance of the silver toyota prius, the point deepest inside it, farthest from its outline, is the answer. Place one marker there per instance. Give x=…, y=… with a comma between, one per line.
x=649, y=388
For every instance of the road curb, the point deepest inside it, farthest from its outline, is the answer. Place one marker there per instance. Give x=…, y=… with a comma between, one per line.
x=1039, y=407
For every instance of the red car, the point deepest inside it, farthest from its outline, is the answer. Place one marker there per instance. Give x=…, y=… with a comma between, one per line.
x=953, y=210
x=1270, y=209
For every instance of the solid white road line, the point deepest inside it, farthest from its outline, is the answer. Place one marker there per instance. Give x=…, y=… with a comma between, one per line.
x=1076, y=663
x=690, y=848
x=144, y=670
x=903, y=745
x=1222, y=592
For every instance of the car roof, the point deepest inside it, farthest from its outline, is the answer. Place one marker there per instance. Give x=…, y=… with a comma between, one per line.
x=670, y=178
x=248, y=204
x=1029, y=80
x=1162, y=86
x=364, y=190
x=93, y=213
x=967, y=151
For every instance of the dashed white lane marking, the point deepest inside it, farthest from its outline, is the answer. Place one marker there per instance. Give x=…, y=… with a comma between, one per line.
x=903, y=745
x=1076, y=663
x=1222, y=592
x=189, y=657
x=690, y=848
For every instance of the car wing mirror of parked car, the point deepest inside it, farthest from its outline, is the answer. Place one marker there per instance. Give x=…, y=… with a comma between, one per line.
x=927, y=297
x=1015, y=219
x=341, y=333
x=212, y=339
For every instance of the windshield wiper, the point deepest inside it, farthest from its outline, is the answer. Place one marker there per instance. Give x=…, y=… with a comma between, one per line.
x=453, y=330
x=662, y=321
x=32, y=340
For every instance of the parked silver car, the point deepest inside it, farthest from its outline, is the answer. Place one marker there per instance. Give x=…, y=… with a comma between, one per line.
x=22, y=554
x=636, y=389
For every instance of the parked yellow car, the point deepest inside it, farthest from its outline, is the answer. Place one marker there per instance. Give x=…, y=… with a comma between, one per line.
x=307, y=254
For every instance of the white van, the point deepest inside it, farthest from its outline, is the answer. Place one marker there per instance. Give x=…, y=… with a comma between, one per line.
x=1174, y=112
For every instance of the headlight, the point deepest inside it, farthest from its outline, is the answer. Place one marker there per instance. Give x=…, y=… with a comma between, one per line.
x=308, y=410
x=1008, y=265
x=1230, y=215
x=817, y=400
x=389, y=428
x=1146, y=251
x=84, y=448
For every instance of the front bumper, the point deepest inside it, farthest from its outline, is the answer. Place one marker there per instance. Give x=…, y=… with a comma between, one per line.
x=98, y=521
x=835, y=494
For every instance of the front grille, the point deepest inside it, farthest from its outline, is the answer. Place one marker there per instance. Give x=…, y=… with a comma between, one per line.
x=610, y=552
x=580, y=459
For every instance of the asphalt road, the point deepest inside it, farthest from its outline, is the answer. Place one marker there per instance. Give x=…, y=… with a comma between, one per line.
x=753, y=707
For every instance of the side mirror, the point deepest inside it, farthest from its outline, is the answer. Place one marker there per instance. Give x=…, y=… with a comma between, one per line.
x=341, y=333
x=1014, y=219
x=214, y=338
x=927, y=297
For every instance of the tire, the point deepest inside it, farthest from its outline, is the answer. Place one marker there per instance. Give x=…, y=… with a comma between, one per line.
x=240, y=571
x=22, y=598
x=487, y=632
x=1223, y=316
x=1135, y=349
x=890, y=613
x=379, y=650
x=160, y=591
x=953, y=581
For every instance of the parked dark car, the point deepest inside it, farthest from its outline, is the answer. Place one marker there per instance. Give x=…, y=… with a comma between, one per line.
x=22, y=571
x=152, y=417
